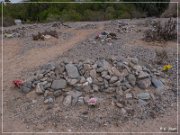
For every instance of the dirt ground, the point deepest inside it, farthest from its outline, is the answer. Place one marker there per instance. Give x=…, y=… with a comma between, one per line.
x=18, y=60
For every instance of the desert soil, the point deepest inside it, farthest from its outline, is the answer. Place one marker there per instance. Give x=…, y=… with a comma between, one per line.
x=23, y=55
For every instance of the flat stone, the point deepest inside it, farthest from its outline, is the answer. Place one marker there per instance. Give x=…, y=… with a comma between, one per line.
x=59, y=84
x=72, y=71
x=157, y=83
x=67, y=100
x=144, y=96
x=145, y=83
x=132, y=79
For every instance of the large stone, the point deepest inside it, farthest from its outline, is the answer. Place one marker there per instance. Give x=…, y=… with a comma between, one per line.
x=144, y=96
x=132, y=79
x=49, y=66
x=72, y=71
x=59, y=84
x=145, y=83
x=67, y=100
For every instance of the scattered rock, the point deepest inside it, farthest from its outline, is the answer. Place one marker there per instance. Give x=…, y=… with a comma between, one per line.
x=113, y=79
x=132, y=79
x=129, y=96
x=49, y=100
x=143, y=75
x=143, y=95
x=72, y=71
x=93, y=73
x=145, y=83
x=157, y=83
x=67, y=100
x=39, y=88
x=59, y=84
x=89, y=79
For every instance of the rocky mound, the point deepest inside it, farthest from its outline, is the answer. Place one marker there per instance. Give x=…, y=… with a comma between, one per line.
x=129, y=83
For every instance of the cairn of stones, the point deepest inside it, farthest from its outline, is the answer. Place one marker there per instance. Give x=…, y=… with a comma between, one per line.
x=76, y=80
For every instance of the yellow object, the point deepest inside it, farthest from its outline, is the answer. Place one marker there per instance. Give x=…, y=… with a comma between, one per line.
x=167, y=67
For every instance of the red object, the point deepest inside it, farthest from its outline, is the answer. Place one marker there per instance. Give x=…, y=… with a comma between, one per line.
x=18, y=83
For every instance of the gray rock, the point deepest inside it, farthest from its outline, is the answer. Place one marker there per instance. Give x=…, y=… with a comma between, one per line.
x=93, y=73
x=95, y=87
x=74, y=94
x=47, y=85
x=25, y=89
x=110, y=90
x=89, y=80
x=49, y=66
x=82, y=80
x=113, y=79
x=80, y=101
x=67, y=100
x=72, y=71
x=157, y=83
x=104, y=64
x=59, y=84
x=134, y=60
x=143, y=75
x=132, y=79
x=141, y=102
x=129, y=96
x=137, y=68
x=145, y=83
x=144, y=96
x=39, y=88
x=57, y=93
x=106, y=84
x=49, y=100
x=73, y=81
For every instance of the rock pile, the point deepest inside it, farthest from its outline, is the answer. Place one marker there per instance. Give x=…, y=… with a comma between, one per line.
x=76, y=81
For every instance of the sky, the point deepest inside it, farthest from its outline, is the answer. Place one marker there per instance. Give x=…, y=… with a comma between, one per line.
x=13, y=1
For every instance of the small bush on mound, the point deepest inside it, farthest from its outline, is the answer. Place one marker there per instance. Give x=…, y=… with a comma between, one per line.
x=41, y=36
x=161, y=31
x=161, y=56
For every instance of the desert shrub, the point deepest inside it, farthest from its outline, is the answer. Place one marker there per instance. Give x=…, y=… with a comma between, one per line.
x=161, y=56
x=162, y=31
x=8, y=21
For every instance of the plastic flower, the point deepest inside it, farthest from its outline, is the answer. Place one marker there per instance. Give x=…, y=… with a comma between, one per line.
x=167, y=67
x=18, y=83
x=92, y=101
